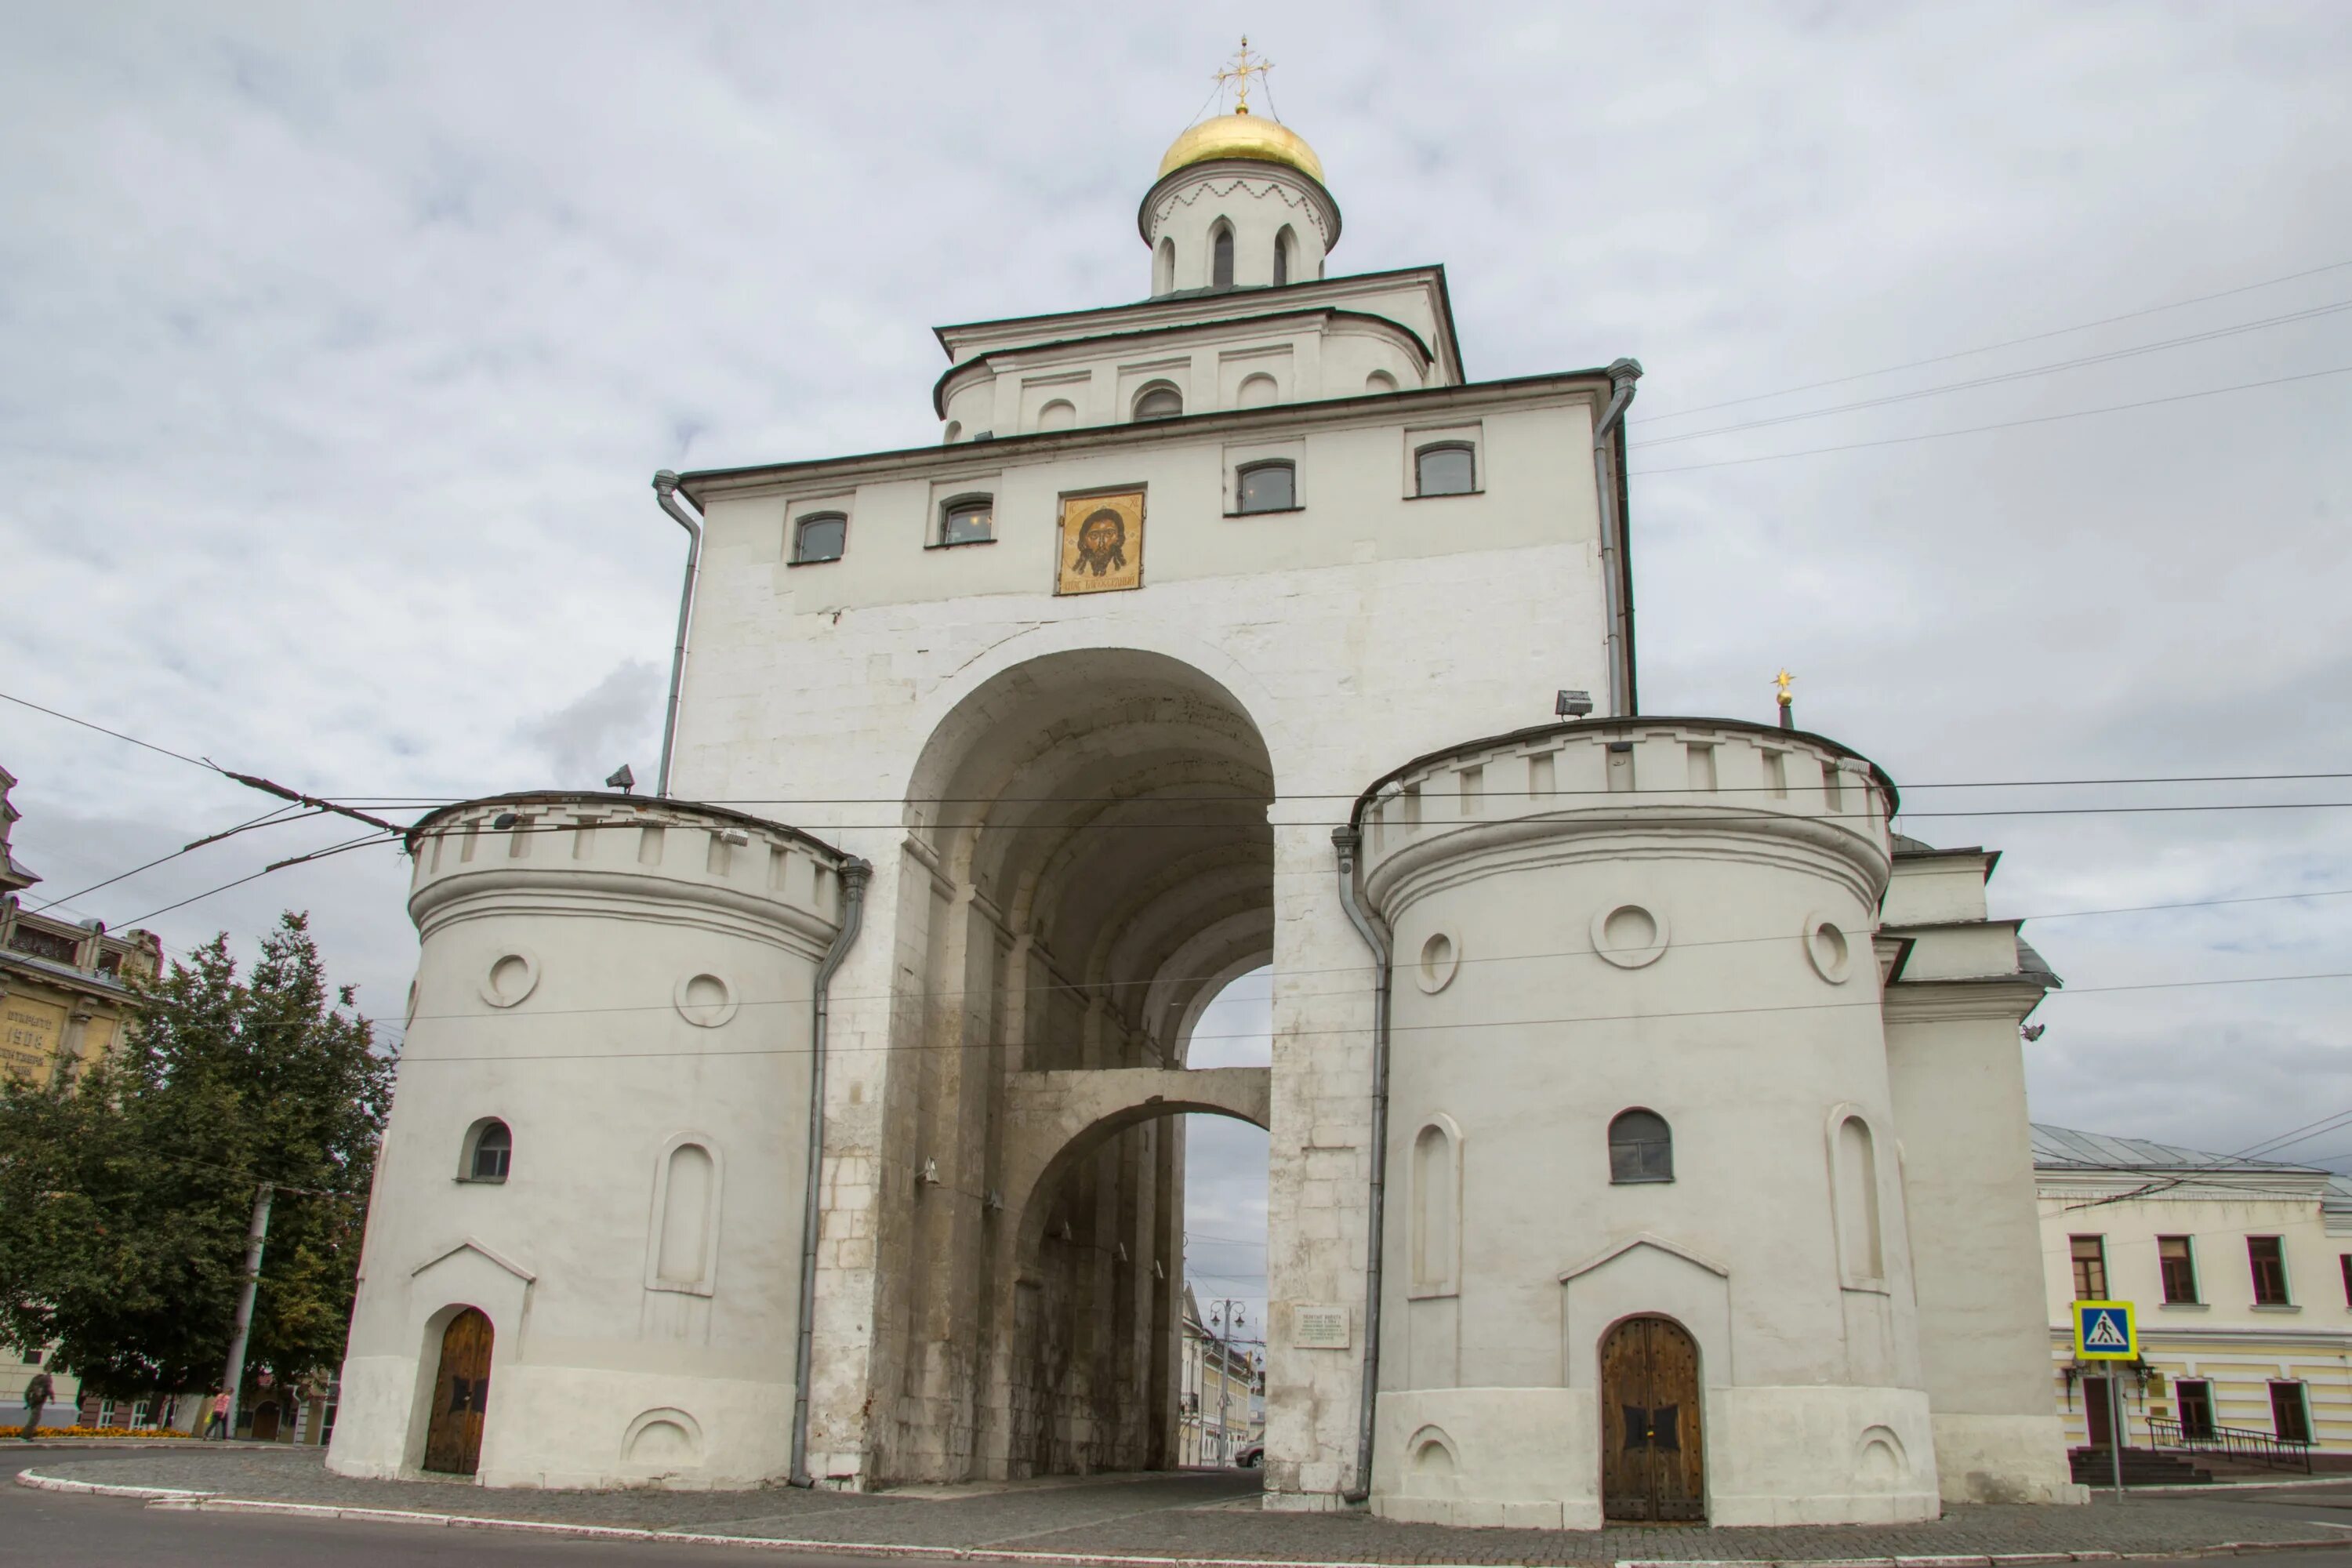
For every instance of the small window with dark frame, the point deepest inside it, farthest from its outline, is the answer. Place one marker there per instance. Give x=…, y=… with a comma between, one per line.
x=1445, y=468
x=493, y=1153
x=2180, y=1266
x=2265, y=1257
x=2090, y=1257
x=1160, y=402
x=2344, y=1261
x=1221, y=258
x=1641, y=1148
x=968, y=520
x=1265, y=487
x=820, y=536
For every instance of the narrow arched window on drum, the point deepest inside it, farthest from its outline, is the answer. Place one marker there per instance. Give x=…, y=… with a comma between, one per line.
x=1641, y=1148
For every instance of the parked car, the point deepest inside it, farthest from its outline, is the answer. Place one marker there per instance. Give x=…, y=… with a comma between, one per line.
x=1251, y=1456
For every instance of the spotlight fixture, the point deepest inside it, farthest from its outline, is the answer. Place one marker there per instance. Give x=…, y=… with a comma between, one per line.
x=1573, y=704
x=621, y=779
x=503, y=821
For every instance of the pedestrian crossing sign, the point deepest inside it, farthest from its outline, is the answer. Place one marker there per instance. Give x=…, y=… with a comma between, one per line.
x=2103, y=1331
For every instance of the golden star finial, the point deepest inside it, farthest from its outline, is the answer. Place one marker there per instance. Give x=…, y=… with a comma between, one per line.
x=1782, y=680
x=1241, y=70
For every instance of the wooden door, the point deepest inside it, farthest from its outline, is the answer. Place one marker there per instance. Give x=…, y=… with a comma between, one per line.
x=264, y=1424
x=2097, y=1411
x=461, y=1394
x=1652, y=1456
x=2196, y=1408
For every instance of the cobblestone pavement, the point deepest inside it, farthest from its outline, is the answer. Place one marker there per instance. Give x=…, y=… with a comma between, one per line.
x=1205, y=1514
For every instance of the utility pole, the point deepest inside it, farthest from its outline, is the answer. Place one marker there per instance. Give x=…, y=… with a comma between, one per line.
x=233, y=1378
x=1226, y=1316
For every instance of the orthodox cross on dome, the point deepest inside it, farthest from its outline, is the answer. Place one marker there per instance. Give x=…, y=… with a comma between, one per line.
x=1239, y=73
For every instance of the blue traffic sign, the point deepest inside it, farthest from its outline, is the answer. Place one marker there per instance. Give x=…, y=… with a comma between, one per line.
x=2103, y=1331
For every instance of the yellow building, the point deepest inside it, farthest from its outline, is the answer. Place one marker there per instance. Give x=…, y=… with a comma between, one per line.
x=1221, y=1410
x=2241, y=1275
x=65, y=998
x=65, y=985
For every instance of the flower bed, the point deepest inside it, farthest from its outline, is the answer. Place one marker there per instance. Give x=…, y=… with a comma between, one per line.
x=19, y=1431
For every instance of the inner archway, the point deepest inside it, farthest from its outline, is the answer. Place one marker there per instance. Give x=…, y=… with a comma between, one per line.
x=1089, y=862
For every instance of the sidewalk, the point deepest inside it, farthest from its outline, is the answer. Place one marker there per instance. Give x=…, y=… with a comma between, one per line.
x=1191, y=1517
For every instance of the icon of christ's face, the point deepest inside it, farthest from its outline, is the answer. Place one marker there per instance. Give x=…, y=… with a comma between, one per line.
x=1102, y=543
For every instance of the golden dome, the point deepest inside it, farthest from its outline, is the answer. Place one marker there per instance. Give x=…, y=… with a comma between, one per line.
x=1242, y=135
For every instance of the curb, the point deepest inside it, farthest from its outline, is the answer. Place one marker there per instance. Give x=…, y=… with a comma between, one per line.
x=182, y=1498
x=1979, y=1560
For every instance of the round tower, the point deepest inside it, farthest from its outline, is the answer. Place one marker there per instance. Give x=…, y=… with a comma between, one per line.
x=582, y=1255
x=1239, y=204
x=1645, y=1252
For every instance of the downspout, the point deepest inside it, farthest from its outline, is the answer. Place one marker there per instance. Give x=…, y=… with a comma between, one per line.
x=1616, y=582
x=666, y=487
x=1348, y=841
x=854, y=874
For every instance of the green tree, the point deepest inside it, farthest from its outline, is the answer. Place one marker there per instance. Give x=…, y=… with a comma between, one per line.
x=125, y=1193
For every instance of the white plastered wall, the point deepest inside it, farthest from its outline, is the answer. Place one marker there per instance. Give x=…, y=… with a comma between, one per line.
x=1540, y=1034
x=824, y=684
x=601, y=1066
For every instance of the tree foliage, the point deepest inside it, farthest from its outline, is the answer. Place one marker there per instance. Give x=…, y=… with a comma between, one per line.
x=126, y=1192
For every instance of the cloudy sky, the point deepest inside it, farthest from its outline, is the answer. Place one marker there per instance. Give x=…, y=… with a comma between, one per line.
x=340, y=342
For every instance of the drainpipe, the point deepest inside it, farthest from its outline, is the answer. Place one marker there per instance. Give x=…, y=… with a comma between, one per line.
x=854, y=874
x=1616, y=584
x=666, y=487
x=1348, y=841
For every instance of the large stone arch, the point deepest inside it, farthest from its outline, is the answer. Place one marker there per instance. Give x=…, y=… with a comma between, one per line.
x=1089, y=855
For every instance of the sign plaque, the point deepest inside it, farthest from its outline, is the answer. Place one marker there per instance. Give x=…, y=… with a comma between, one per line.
x=1319, y=1326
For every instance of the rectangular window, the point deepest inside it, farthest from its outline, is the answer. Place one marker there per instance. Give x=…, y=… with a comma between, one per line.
x=2269, y=1264
x=2090, y=1267
x=2344, y=1261
x=1445, y=468
x=2290, y=1415
x=1265, y=487
x=819, y=536
x=968, y=520
x=2180, y=1268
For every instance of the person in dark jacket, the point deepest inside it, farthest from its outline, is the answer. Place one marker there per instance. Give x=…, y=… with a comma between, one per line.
x=36, y=1396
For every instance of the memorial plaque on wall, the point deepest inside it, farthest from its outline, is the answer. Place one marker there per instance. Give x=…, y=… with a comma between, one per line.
x=1319, y=1326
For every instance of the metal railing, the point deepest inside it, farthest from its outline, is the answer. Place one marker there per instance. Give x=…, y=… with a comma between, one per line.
x=2235, y=1442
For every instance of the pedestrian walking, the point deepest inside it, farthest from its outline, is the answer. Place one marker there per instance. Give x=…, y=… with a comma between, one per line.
x=36, y=1396
x=218, y=1425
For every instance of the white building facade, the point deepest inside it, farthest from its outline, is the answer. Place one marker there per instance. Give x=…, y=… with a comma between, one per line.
x=1648, y=1120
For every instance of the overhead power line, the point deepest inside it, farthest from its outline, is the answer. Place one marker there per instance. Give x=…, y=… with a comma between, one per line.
x=267, y=819
x=362, y=842
x=1096, y=987
x=712, y=1054
x=2002, y=425
x=2000, y=377
x=2005, y=343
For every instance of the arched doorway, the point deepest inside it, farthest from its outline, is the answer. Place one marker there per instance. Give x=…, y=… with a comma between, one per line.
x=461, y=1395
x=1652, y=1453
x=1089, y=860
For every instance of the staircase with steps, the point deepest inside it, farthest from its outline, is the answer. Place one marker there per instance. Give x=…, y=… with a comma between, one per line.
x=2142, y=1467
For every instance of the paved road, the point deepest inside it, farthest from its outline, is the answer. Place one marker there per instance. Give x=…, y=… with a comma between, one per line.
x=82, y=1531
x=60, y=1530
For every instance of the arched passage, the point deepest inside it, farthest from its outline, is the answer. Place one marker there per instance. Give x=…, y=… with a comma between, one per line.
x=1088, y=861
